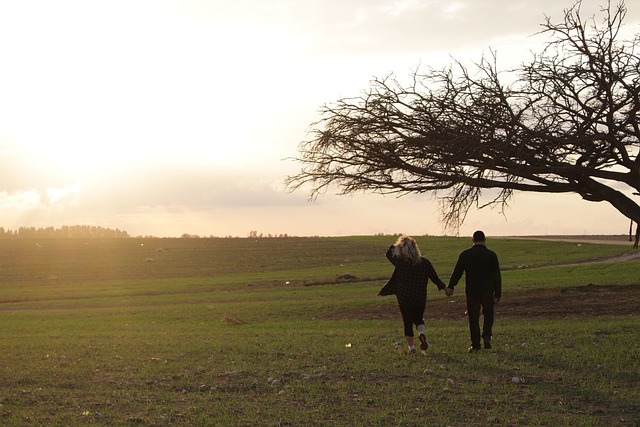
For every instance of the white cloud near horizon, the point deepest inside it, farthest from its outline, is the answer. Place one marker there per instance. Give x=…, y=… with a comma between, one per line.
x=170, y=117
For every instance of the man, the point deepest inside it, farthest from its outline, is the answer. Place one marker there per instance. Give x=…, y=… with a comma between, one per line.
x=483, y=287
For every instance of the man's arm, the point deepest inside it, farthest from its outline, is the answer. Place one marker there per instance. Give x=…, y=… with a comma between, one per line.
x=498, y=281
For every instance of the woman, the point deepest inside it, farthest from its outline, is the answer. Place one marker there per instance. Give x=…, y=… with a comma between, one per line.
x=409, y=284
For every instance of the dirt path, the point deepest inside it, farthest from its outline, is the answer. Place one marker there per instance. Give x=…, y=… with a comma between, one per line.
x=589, y=300
x=606, y=240
x=617, y=258
x=601, y=240
x=582, y=301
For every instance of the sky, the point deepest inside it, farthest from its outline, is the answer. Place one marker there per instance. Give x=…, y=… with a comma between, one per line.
x=179, y=117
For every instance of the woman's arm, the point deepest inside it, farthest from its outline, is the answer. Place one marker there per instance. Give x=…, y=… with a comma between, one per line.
x=390, y=255
x=431, y=272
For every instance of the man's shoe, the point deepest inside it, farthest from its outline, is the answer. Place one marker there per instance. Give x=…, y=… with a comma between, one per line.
x=424, y=345
x=412, y=351
x=487, y=344
x=473, y=349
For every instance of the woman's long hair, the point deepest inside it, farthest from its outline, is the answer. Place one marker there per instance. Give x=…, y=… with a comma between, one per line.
x=406, y=248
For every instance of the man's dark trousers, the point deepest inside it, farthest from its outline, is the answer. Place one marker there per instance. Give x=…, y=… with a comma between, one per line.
x=485, y=302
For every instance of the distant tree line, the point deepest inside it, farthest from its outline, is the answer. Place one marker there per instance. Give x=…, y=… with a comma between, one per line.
x=66, y=231
x=255, y=235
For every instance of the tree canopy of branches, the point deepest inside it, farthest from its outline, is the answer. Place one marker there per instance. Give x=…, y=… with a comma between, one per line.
x=567, y=121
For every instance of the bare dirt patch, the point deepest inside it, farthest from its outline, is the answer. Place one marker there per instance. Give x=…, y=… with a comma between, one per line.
x=582, y=301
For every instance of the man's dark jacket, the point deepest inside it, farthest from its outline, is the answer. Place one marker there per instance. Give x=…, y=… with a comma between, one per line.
x=482, y=271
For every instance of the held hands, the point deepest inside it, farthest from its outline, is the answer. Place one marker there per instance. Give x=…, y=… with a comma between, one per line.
x=448, y=291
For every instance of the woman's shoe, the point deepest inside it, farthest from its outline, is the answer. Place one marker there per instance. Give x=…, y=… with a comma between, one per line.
x=424, y=345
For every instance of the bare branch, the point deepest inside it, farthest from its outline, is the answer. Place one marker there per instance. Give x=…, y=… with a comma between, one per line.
x=568, y=123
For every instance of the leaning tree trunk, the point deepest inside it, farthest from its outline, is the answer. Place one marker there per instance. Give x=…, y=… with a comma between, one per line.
x=637, y=237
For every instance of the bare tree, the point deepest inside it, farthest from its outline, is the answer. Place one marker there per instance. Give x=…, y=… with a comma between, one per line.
x=565, y=122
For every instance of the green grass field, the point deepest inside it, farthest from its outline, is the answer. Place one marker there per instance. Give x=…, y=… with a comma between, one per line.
x=244, y=332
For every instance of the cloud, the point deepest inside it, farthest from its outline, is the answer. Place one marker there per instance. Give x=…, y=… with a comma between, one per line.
x=155, y=187
x=195, y=190
x=382, y=27
x=66, y=195
x=19, y=201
